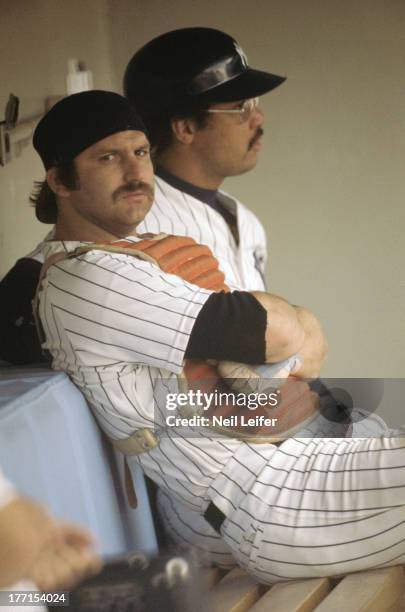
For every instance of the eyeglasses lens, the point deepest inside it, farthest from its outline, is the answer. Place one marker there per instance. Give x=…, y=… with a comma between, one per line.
x=248, y=107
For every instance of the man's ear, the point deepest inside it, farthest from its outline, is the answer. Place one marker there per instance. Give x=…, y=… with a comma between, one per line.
x=53, y=180
x=184, y=130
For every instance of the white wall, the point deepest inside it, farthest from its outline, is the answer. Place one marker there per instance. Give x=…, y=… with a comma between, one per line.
x=330, y=181
x=37, y=37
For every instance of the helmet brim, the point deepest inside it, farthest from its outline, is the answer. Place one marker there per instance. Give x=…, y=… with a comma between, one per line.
x=250, y=84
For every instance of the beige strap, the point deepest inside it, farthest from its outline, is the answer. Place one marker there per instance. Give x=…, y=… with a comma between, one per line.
x=141, y=441
x=129, y=486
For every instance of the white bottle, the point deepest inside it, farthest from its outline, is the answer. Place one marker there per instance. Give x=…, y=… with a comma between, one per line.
x=78, y=78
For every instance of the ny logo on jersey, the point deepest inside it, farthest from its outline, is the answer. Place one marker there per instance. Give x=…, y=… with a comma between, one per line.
x=258, y=257
x=242, y=54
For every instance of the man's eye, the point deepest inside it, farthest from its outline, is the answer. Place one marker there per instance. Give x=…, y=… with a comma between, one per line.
x=107, y=157
x=142, y=152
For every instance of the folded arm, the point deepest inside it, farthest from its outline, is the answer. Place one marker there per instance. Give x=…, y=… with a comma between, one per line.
x=257, y=328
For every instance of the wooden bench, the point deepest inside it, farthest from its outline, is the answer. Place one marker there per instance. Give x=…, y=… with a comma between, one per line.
x=370, y=591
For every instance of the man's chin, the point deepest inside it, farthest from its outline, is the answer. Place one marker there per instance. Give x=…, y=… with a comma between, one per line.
x=131, y=217
x=250, y=162
x=139, y=209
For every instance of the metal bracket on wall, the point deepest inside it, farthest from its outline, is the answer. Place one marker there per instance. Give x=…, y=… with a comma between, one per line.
x=4, y=145
x=14, y=137
x=10, y=119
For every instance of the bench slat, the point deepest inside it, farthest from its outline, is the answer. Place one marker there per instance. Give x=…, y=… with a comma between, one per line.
x=368, y=591
x=299, y=596
x=236, y=592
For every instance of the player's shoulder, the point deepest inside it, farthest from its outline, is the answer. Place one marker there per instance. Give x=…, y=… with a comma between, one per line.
x=71, y=251
x=99, y=261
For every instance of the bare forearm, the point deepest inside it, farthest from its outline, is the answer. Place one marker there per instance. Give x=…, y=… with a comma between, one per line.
x=293, y=329
x=285, y=333
x=314, y=348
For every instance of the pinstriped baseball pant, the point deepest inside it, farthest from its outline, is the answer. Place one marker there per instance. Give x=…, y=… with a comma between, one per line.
x=323, y=507
x=318, y=507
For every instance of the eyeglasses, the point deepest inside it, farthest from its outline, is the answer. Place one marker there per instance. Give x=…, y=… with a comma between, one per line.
x=244, y=111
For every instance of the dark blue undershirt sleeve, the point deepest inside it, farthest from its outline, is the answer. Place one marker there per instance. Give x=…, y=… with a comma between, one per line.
x=230, y=326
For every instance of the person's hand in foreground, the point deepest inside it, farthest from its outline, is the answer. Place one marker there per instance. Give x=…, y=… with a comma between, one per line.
x=35, y=546
x=66, y=561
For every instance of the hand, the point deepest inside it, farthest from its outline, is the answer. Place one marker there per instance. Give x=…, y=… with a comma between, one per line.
x=66, y=561
x=244, y=378
x=25, y=529
x=314, y=350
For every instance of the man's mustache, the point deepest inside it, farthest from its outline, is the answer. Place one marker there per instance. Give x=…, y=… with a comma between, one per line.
x=134, y=186
x=258, y=134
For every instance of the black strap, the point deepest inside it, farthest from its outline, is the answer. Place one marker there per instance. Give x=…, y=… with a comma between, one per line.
x=19, y=341
x=214, y=516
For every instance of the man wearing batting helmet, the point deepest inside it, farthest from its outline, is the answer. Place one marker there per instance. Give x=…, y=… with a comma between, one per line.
x=198, y=97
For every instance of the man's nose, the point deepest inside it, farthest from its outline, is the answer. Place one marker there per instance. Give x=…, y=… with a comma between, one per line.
x=133, y=168
x=256, y=118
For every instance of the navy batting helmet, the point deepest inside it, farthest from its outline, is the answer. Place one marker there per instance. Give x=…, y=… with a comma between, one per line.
x=192, y=64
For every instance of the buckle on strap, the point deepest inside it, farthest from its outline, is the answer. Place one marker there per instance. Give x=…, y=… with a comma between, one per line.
x=141, y=441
